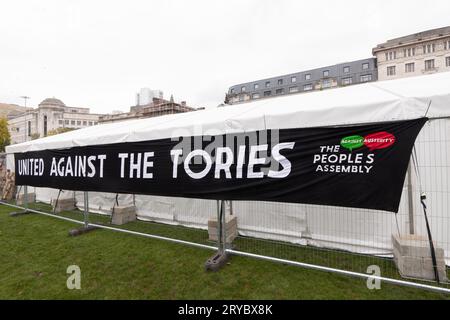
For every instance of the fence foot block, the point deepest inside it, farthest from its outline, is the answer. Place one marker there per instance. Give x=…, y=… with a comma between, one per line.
x=216, y=262
x=20, y=213
x=80, y=231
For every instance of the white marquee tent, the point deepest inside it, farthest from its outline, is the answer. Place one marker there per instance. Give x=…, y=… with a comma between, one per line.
x=402, y=99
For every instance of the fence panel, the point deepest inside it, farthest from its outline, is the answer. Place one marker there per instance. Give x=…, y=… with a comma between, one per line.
x=341, y=238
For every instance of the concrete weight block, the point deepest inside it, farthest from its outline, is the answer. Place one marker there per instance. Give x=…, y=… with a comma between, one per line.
x=122, y=215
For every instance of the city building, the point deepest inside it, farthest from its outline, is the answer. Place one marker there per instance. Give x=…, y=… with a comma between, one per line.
x=145, y=96
x=157, y=107
x=50, y=115
x=416, y=54
x=342, y=74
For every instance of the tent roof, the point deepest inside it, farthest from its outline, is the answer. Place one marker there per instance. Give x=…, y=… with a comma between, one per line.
x=381, y=101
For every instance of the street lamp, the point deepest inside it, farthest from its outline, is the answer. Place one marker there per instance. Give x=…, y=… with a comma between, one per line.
x=25, y=98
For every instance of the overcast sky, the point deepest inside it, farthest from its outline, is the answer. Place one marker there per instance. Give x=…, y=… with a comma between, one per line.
x=98, y=54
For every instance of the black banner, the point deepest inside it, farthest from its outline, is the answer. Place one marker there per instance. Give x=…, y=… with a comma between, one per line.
x=358, y=166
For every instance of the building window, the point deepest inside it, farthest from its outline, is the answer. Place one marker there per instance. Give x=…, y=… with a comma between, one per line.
x=447, y=45
x=447, y=62
x=78, y=123
x=243, y=89
x=267, y=93
x=365, y=66
x=29, y=128
x=72, y=122
x=429, y=48
x=293, y=79
x=308, y=76
x=391, y=71
x=279, y=91
x=326, y=73
x=429, y=64
x=255, y=96
x=307, y=87
x=346, y=69
x=347, y=81
x=90, y=123
x=326, y=83
x=280, y=82
x=391, y=55
x=365, y=78
x=267, y=84
x=409, y=67
x=409, y=52
x=293, y=89
x=60, y=122
x=387, y=56
x=256, y=86
x=84, y=123
x=45, y=126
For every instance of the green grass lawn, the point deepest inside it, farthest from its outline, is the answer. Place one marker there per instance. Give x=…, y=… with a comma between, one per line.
x=36, y=250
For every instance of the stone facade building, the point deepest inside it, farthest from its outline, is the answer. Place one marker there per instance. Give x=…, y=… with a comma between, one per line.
x=158, y=107
x=51, y=114
x=413, y=55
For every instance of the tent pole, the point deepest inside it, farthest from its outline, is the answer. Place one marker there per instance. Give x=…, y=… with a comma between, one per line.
x=219, y=225
x=56, y=202
x=86, y=209
x=86, y=227
x=410, y=201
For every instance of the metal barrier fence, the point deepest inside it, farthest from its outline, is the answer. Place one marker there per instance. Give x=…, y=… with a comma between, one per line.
x=355, y=242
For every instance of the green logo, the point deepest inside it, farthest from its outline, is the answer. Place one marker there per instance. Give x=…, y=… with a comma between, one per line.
x=352, y=143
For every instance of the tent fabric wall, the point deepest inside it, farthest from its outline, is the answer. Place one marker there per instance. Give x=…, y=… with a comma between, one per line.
x=363, y=231
x=354, y=230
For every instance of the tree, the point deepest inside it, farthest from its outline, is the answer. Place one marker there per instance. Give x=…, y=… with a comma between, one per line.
x=5, y=138
x=58, y=131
